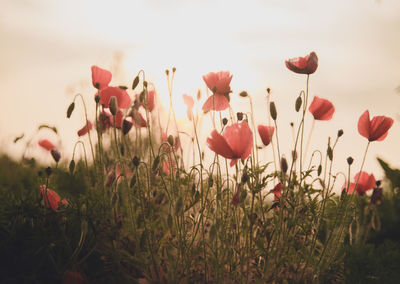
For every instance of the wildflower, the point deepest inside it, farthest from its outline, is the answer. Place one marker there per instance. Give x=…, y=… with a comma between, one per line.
x=365, y=182
x=46, y=144
x=85, y=129
x=123, y=99
x=266, y=133
x=100, y=77
x=375, y=129
x=189, y=102
x=376, y=196
x=321, y=109
x=218, y=83
x=72, y=277
x=51, y=198
x=118, y=119
x=277, y=191
x=236, y=142
x=303, y=65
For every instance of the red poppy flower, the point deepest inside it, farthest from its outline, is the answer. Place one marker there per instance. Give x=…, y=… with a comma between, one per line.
x=236, y=142
x=365, y=183
x=46, y=144
x=118, y=119
x=303, y=65
x=277, y=191
x=123, y=99
x=375, y=129
x=189, y=102
x=218, y=83
x=137, y=118
x=51, y=198
x=85, y=129
x=100, y=77
x=321, y=109
x=266, y=133
x=72, y=277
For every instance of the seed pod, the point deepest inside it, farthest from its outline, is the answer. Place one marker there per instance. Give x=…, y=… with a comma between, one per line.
x=239, y=116
x=340, y=133
x=272, y=110
x=135, y=82
x=298, y=103
x=243, y=94
x=350, y=160
x=224, y=121
x=170, y=140
x=70, y=109
x=136, y=161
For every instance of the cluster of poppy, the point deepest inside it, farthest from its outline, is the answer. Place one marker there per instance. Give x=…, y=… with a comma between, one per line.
x=236, y=141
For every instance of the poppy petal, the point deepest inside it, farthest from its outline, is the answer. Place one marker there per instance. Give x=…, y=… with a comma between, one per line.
x=218, y=144
x=215, y=102
x=364, y=124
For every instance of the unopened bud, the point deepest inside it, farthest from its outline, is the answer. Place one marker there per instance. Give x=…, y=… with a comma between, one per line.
x=135, y=82
x=48, y=171
x=156, y=162
x=145, y=84
x=291, y=124
x=70, y=109
x=239, y=116
x=298, y=103
x=243, y=94
x=224, y=121
x=245, y=176
x=284, y=165
x=136, y=161
x=173, y=69
x=350, y=160
x=123, y=88
x=269, y=90
x=329, y=152
x=71, y=167
x=167, y=72
x=126, y=126
x=170, y=140
x=319, y=170
x=340, y=133
x=97, y=99
x=272, y=110
x=113, y=105
x=56, y=155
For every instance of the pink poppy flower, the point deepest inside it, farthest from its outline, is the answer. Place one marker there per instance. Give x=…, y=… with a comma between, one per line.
x=46, y=144
x=85, y=129
x=218, y=83
x=123, y=99
x=118, y=119
x=189, y=102
x=303, y=65
x=375, y=129
x=321, y=109
x=100, y=77
x=266, y=133
x=236, y=142
x=72, y=277
x=365, y=183
x=51, y=198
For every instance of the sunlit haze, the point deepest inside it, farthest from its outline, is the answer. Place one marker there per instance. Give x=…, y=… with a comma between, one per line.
x=48, y=47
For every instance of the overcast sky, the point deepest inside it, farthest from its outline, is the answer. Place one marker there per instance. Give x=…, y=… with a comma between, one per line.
x=47, y=48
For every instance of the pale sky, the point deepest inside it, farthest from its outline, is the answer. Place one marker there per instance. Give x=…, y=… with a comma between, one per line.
x=47, y=48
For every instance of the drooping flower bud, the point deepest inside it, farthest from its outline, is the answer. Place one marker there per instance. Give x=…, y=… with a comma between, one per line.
x=136, y=161
x=284, y=165
x=113, y=105
x=298, y=103
x=70, y=109
x=135, y=82
x=243, y=94
x=170, y=140
x=272, y=110
x=71, y=167
x=56, y=154
x=126, y=126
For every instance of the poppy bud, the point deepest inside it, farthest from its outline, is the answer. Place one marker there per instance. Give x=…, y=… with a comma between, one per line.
x=330, y=153
x=135, y=82
x=243, y=94
x=113, y=105
x=145, y=84
x=224, y=121
x=284, y=165
x=167, y=72
x=136, y=161
x=272, y=110
x=156, y=162
x=298, y=103
x=170, y=140
x=71, y=167
x=378, y=183
x=173, y=69
x=56, y=155
x=133, y=182
x=350, y=160
x=319, y=170
x=97, y=99
x=142, y=96
x=268, y=90
x=245, y=177
x=70, y=109
x=291, y=124
x=123, y=88
x=239, y=116
x=48, y=171
x=126, y=126
x=340, y=133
